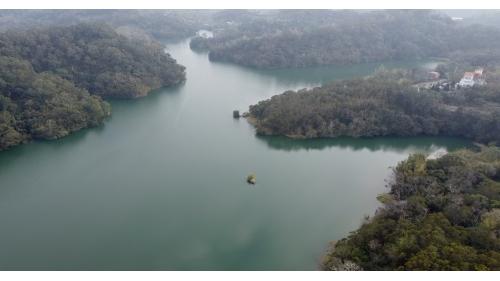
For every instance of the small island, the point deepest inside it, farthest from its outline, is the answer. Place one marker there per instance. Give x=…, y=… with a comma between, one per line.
x=252, y=179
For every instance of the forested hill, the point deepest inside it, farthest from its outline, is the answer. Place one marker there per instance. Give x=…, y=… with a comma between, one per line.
x=380, y=105
x=158, y=24
x=440, y=214
x=52, y=80
x=42, y=105
x=96, y=58
x=289, y=40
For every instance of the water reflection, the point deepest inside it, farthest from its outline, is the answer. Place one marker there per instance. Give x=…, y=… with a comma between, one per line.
x=7, y=157
x=161, y=184
x=395, y=144
x=313, y=75
x=70, y=142
x=325, y=74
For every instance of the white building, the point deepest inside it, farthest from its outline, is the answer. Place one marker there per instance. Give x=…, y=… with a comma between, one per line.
x=467, y=80
x=473, y=78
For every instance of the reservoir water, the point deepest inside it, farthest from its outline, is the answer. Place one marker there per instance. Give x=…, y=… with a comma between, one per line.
x=161, y=186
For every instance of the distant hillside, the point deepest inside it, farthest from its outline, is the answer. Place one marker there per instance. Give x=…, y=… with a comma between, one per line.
x=158, y=24
x=471, y=17
x=308, y=38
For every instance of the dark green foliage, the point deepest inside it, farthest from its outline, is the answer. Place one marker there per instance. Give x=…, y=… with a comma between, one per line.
x=96, y=58
x=52, y=80
x=306, y=38
x=42, y=105
x=381, y=105
x=159, y=24
x=437, y=219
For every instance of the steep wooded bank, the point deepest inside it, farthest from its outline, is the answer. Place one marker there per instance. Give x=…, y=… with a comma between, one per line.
x=42, y=105
x=440, y=214
x=96, y=58
x=380, y=105
x=52, y=80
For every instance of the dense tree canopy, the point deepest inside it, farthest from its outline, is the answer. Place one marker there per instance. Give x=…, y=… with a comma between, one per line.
x=96, y=58
x=52, y=80
x=306, y=38
x=380, y=105
x=42, y=105
x=440, y=214
x=159, y=24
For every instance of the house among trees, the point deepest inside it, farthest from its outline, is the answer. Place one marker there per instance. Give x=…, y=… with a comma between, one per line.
x=472, y=78
x=467, y=80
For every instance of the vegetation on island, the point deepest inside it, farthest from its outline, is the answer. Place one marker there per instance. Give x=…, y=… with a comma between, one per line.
x=251, y=179
x=53, y=80
x=384, y=104
x=57, y=69
x=286, y=39
x=440, y=214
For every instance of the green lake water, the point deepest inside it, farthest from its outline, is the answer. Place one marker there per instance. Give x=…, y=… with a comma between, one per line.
x=161, y=186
